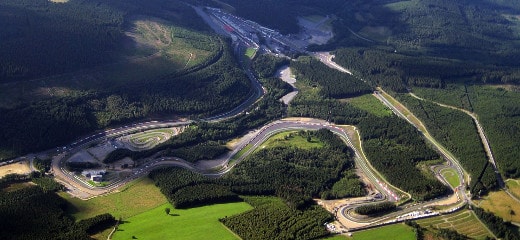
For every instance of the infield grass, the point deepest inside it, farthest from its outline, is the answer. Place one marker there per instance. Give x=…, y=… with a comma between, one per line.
x=194, y=223
x=451, y=176
x=291, y=138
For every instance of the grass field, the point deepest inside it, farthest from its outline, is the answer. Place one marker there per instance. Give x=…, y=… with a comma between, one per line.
x=514, y=186
x=250, y=52
x=501, y=205
x=370, y=104
x=291, y=138
x=194, y=223
x=138, y=197
x=390, y=232
x=451, y=176
x=464, y=222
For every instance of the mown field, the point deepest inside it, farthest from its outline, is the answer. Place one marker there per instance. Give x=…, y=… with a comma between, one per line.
x=390, y=232
x=137, y=197
x=194, y=223
x=464, y=222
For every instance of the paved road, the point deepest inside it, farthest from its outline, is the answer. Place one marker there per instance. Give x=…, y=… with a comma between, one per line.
x=326, y=58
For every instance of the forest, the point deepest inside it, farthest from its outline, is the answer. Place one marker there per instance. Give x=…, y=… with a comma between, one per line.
x=497, y=111
x=395, y=148
x=36, y=212
x=293, y=174
x=203, y=140
x=51, y=122
x=36, y=42
x=271, y=219
x=374, y=209
x=266, y=65
x=457, y=132
x=400, y=44
x=334, y=84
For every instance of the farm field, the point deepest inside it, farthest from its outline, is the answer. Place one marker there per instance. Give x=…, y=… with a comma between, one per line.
x=464, y=222
x=502, y=205
x=195, y=223
x=135, y=198
x=370, y=104
x=390, y=232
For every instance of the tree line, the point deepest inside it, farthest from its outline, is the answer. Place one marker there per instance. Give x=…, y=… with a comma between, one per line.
x=377, y=208
x=502, y=229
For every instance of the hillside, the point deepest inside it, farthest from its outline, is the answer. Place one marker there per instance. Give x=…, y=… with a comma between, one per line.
x=110, y=63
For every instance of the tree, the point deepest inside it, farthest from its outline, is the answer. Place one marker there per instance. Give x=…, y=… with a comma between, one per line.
x=167, y=211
